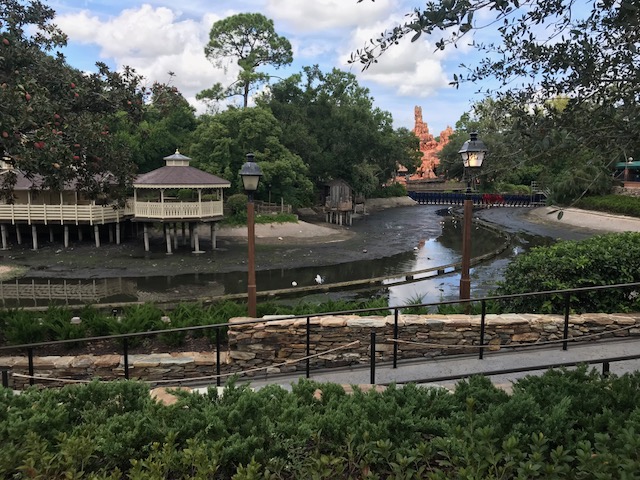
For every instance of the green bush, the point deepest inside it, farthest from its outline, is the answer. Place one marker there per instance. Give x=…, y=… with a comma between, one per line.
x=617, y=204
x=601, y=260
x=388, y=191
x=237, y=206
x=561, y=425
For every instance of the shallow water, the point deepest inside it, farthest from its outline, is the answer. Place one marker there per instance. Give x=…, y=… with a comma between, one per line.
x=430, y=236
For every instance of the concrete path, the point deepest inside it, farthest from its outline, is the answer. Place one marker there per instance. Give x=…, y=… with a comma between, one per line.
x=439, y=371
x=587, y=219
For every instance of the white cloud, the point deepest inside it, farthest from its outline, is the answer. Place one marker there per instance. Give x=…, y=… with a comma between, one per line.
x=312, y=16
x=154, y=41
x=410, y=68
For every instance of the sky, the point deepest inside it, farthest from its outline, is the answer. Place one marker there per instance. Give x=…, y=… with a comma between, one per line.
x=159, y=36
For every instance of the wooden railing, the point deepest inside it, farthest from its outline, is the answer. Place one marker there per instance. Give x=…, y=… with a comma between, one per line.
x=92, y=214
x=65, y=290
x=177, y=210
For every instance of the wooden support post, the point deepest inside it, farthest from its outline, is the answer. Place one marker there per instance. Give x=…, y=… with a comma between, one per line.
x=146, y=238
x=3, y=231
x=96, y=234
x=18, y=235
x=184, y=236
x=80, y=234
x=66, y=236
x=196, y=242
x=110, y=233
x=34, y=236
x=214, y=233
x=175, y=236
x=167, y=236
x=50, y=234
x=118, y=233
x=191, y=234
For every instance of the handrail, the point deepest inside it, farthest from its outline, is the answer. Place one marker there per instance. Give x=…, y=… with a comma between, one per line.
x=566, y=293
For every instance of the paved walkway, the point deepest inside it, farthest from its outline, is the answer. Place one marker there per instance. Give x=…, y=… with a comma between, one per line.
x=587, y=219
x=439, y=371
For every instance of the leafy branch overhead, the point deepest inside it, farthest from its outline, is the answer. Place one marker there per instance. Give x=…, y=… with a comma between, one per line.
x=588, y=50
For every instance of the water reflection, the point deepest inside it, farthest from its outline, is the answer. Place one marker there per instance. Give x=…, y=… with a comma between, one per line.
x=439, y=243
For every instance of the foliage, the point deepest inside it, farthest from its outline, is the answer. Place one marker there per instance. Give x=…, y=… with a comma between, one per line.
x=601, y=260
x=616, y=204
x=237, y=205
x=55, y=121
x=329, y=121
x=221, y=142
x=388, y=191
x=563, y=424
x=249, y=39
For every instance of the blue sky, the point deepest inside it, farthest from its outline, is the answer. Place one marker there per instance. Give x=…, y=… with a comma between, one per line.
x=158, y=36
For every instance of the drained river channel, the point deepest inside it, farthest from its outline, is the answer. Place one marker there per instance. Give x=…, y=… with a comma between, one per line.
x=428, y=237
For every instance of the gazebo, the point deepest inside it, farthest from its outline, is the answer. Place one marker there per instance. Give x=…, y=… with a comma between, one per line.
x=178, y=193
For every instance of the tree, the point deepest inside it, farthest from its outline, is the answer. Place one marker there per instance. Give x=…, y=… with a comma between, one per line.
x=586, y=55
x=329, y=120
x=222, y=141
x=250, y=39
x=55, y=121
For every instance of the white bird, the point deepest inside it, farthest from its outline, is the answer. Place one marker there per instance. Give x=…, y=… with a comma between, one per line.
x=294, y=284
x=319, y=279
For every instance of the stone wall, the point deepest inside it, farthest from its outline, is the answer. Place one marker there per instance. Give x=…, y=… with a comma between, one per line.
x=282, y=343
x=279, y=346
x=152, y=368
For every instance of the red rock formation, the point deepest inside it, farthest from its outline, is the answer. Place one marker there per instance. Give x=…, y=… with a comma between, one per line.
x=429, y=147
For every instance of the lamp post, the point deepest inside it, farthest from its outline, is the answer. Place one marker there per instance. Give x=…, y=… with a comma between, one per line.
x=472, y=153
x=251, y=174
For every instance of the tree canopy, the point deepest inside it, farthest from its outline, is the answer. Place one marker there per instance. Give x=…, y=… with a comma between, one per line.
x=55, y=121
x=249, y=39
x=563, y=76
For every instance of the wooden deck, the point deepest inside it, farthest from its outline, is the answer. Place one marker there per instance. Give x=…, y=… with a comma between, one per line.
x=63, y=214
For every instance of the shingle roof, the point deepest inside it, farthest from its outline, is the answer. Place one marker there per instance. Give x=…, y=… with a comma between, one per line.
x=179, y=176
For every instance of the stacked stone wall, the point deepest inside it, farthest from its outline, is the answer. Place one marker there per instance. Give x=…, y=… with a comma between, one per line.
x=279, y=346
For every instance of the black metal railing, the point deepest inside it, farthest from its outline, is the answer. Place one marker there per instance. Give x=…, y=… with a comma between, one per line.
x=481, y=346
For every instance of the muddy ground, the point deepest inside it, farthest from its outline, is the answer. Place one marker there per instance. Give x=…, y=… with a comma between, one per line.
x=309, y=243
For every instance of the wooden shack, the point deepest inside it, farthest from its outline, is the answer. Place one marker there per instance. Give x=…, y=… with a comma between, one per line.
x=339, y=203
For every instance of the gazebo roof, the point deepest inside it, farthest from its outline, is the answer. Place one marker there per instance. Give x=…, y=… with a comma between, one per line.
x=36, y=182
x=178, y=174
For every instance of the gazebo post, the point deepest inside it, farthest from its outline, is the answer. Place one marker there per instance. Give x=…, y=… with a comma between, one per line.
x=118, y=233
x=175, y=236
x=146, y=237
x=3, y=230
x=34, y=236
x=18, y=235
x=167, y=235
x=66, y=236
x=96, y=234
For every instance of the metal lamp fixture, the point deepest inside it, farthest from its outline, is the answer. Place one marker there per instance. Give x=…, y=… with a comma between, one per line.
x=473, y=151
x=250, y=173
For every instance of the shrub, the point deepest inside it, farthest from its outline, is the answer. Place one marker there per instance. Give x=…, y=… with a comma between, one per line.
x=563, y=424
x=601, y=260
x=237, y=205
x=388, y=191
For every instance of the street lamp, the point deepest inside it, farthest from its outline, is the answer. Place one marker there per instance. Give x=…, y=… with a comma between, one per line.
x=251, y=174
x=472, y=153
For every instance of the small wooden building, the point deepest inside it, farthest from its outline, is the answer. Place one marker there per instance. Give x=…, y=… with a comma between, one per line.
x=338, y=203
x=36, y=209
x=178, y=194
